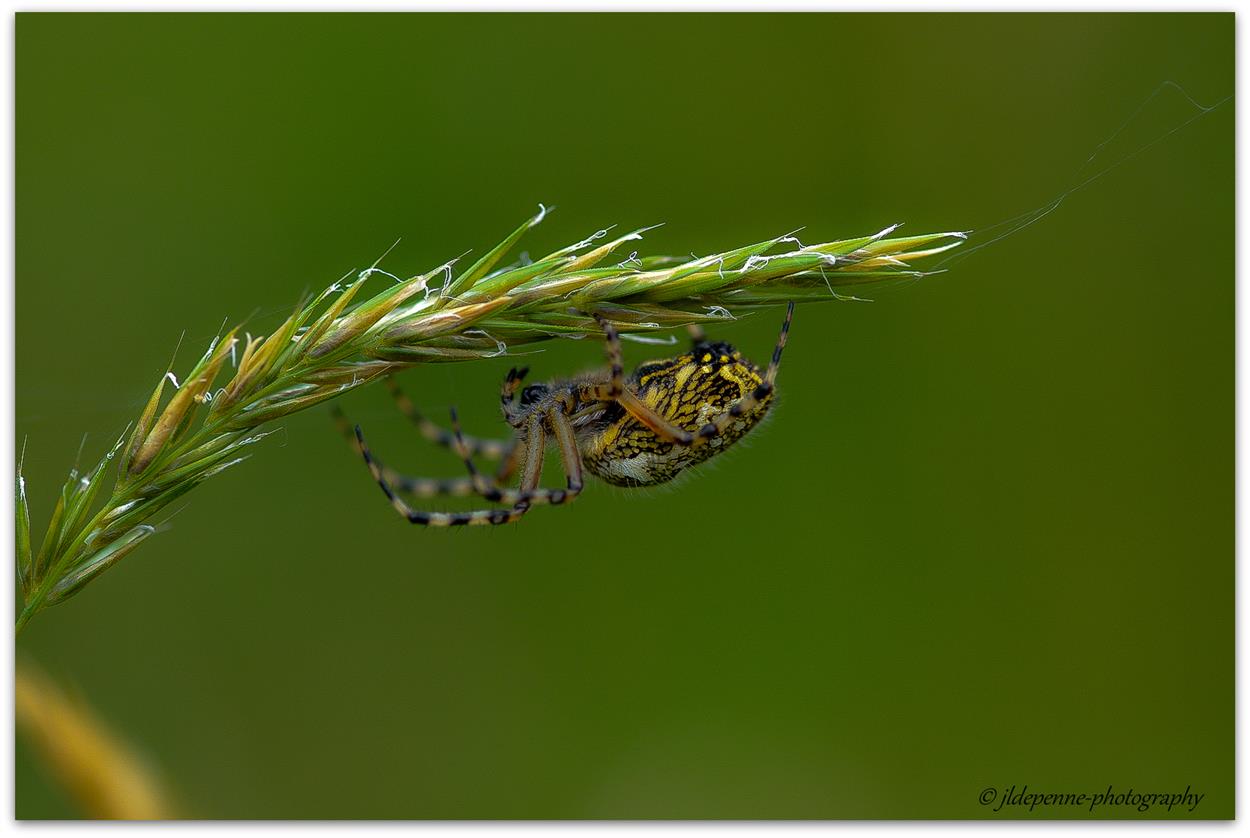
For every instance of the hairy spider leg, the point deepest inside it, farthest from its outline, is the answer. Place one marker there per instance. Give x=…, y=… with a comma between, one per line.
x=616, y=391
x=426, y=487
x=507, y=395
x=717, y=426
x=494, y=449
x=531, y=473
x=570, y=458
x=430, y=519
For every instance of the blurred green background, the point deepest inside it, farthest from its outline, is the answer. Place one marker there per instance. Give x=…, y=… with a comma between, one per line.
x=985, y=539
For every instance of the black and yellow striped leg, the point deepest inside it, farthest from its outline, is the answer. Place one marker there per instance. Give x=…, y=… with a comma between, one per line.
x=616, y=391
x=425, y=487
x=494, y=449
x=616, y=381
x=481, y=517
x=660, y=426
x=570, y=457
x=750, y=401
x=507, y=395
x=534, y=496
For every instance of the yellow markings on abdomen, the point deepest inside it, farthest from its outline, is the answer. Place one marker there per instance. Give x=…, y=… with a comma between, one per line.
x=689, y=393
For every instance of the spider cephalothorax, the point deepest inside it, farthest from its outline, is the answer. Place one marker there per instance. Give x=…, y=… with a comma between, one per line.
x=642, y=430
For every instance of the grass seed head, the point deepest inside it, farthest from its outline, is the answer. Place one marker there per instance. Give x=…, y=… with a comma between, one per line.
x=332, y=344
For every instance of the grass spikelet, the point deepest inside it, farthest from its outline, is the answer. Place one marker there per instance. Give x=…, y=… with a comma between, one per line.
x=332, y=344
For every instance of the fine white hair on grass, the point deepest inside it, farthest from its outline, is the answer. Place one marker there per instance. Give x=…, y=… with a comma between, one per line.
x=708, y=261
x=637, y=234
x=827, y=258
x=755, y=261
x=378, y=260
x=445, y=270
x=117, y=445
x=447, y=266
x=501, y=348
x=828, y=284
x=367, y=272
x=173, y=379
x=887, y=231
x=632, y=259
x=337, y=285
x=792, y=237
x=650, y=339
x=592, y=238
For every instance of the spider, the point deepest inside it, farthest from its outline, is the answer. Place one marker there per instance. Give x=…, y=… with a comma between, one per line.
x=643, y=430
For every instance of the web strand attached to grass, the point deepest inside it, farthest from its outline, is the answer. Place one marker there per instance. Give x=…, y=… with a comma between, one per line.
x=1026, y=219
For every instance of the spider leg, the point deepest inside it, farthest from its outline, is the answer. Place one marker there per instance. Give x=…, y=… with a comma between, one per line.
x=616, y=383
x=532, y=471
x=616, y=391
x=534, y=495
x=494, y=449
x=660, y=426
x=507, y=394
x=425, y=487
x=613, y=347
x=717, y=425
x=697, y=335
x=570, y=457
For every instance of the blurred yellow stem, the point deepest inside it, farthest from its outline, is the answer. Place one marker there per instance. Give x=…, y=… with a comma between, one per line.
x=99, y=771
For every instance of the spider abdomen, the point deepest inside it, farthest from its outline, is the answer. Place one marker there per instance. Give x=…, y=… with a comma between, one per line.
x=688, y=391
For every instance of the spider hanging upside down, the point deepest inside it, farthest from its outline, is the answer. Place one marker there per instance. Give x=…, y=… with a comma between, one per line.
x=667, y=416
